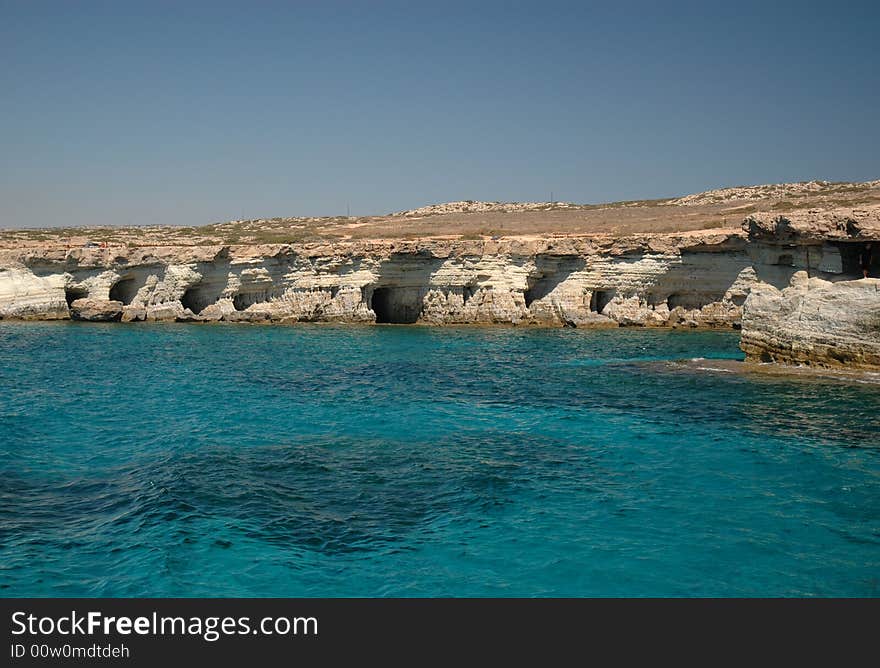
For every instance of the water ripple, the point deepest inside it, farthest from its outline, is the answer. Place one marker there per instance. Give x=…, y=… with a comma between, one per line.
x=162, y=460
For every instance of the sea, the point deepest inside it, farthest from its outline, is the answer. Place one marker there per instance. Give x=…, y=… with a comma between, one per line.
x=232, y=460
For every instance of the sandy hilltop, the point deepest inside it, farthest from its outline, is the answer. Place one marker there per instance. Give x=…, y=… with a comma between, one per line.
x=715, y=209
x=782, y=262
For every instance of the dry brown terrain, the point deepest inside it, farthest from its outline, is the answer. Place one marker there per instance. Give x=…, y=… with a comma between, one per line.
x=471, y=220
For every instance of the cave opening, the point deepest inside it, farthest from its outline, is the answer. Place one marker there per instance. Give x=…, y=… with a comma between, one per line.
x=197, y=298
x=600, y=299
x=240, y=302
x=201, y=295
x=785, y=260
x=538, y=290
x=72, y=294
x=190, y=299
x=124, y=291
x=243, y=300
x=691, y=300
x=849, y=257
x=655, y=299
x=401, y=306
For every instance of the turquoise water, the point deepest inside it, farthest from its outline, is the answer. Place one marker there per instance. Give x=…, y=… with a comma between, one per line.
x=187, y=460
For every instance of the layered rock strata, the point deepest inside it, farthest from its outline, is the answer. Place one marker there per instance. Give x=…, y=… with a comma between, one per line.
x=688, y=279
x=827, y=314
x=791, y=281
x=814, y=322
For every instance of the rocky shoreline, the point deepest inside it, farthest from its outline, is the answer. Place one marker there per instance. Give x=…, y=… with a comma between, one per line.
x=790, y=282
x=826, y=316
x=691, y=279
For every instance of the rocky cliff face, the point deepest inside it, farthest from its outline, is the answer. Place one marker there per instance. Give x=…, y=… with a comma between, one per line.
x=814, y=322
x=791, y=281
x=688, y=279
x=826, y=314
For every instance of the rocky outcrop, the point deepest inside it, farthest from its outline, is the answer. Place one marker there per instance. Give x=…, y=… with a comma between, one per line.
x=96, y=310
x=774, y=191
x=25, y=295
x=810, y=305
x=814, y=322
x=471, y=206
x=814, y=226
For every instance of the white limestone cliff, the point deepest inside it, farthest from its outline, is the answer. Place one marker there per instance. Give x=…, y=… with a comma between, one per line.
x=789, y=280
x=27, y=296
x=814, y=322
x=824, y=314
x=688, y=279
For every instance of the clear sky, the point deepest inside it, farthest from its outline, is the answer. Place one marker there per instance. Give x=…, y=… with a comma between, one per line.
x=197, y=112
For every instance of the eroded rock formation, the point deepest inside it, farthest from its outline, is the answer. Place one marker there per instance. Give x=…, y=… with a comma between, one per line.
x=791, y=281
x=688, y=279
x=814, y=321
x=96, y=310
x=826, y=314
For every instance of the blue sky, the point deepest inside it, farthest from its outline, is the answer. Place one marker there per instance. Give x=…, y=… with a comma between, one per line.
x=196, y=112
